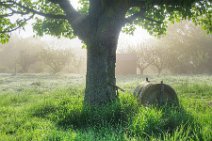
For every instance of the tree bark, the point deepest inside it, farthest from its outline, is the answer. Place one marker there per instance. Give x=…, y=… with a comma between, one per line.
x=104, y=27
x=100, y=78
x=101, y=59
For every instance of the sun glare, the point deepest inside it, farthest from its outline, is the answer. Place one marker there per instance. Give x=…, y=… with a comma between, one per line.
x=75, y=3
x=139, y=36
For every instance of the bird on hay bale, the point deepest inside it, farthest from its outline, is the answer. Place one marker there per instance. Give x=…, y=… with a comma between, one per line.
x=159, y=94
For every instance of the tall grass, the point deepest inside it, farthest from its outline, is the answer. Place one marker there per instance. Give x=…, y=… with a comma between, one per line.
x=60, y=115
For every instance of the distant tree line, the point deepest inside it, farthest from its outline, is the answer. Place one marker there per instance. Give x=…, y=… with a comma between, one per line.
x=31, y=55
x=185, y=50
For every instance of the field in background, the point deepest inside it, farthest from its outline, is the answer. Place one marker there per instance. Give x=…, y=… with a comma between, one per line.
x=38, y=82
x=49, y=107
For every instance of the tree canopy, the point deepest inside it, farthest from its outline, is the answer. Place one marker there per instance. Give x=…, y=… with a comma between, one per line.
x=59, y=18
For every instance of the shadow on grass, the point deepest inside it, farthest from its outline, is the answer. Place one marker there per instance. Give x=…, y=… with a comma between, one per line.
x=124, y=117
x=113, y=114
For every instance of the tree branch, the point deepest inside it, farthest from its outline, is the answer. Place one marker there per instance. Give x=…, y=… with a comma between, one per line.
x=6, y=15
x=13, y=12
x=18, y=12
x=140, y=14
x=9, y=4
x=17, y=27
x=78, y=21
x=95, y=7
x=137, y=3
x=72, y=15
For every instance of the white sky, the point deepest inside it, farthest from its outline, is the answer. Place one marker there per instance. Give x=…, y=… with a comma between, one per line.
x=139, y=36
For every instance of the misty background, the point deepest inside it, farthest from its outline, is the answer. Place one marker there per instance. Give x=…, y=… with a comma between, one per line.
x=185, y=49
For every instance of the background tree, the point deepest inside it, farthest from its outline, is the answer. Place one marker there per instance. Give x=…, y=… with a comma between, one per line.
x=20, y=54
x=190, y=49
x=8, y=56
x=159, y=58
x=76, y=64
x=25, y=60
x=55, y=59
x=98, y=23
x=144, y=54
x=23, y=55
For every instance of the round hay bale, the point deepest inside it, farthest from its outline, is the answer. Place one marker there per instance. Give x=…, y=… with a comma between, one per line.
x=156, y=94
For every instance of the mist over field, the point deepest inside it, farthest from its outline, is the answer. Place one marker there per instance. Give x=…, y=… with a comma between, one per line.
x=122, y=70
x=186, y=49
x=42, y=83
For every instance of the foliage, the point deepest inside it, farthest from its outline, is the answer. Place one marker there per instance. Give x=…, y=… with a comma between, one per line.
x=151, y=15
x=53, y=27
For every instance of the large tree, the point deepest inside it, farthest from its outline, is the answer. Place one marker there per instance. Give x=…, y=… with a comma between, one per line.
x=98, y=24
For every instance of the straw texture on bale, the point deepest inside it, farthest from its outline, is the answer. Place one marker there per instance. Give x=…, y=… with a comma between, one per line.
x=156, y=94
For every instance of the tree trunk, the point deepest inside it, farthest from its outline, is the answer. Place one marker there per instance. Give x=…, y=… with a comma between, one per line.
x=105, y=26
x=159, y=71
x=101, y=59
x=141, y=70
x=100, y=78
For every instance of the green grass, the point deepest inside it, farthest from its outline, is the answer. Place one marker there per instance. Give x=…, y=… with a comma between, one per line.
x=39, y=113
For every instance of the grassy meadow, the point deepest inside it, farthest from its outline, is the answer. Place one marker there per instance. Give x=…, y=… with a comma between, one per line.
x=50, y=108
